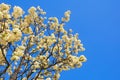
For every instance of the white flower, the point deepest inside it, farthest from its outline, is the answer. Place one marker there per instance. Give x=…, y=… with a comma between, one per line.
x=54, y=19
x=21, y=47
x=82, y=58
x=4, y=7
x=67, y=16
x=18, y=12
x=15, y=57
x=67, y=13
x=28, y=30
x=17, y=33
x=32, y=10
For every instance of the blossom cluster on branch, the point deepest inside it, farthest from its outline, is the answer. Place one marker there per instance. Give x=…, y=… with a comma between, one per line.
x=33, y=49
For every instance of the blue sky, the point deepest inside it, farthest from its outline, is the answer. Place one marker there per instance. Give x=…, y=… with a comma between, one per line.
x=98, y=23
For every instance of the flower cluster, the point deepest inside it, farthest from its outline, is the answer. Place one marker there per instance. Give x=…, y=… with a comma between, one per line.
x=18, y=12
x=31, y=48
x=67, y=16
x=19, y=51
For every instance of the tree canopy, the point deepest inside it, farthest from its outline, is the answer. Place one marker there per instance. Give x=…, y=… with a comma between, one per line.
x=34, y=47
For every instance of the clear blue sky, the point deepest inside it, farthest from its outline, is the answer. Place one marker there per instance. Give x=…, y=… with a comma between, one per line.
x=98, y=23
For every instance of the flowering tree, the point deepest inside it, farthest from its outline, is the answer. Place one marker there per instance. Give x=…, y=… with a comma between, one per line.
x=32, y=48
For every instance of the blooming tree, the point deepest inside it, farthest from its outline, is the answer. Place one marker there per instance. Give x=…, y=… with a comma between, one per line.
x=33, y=47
